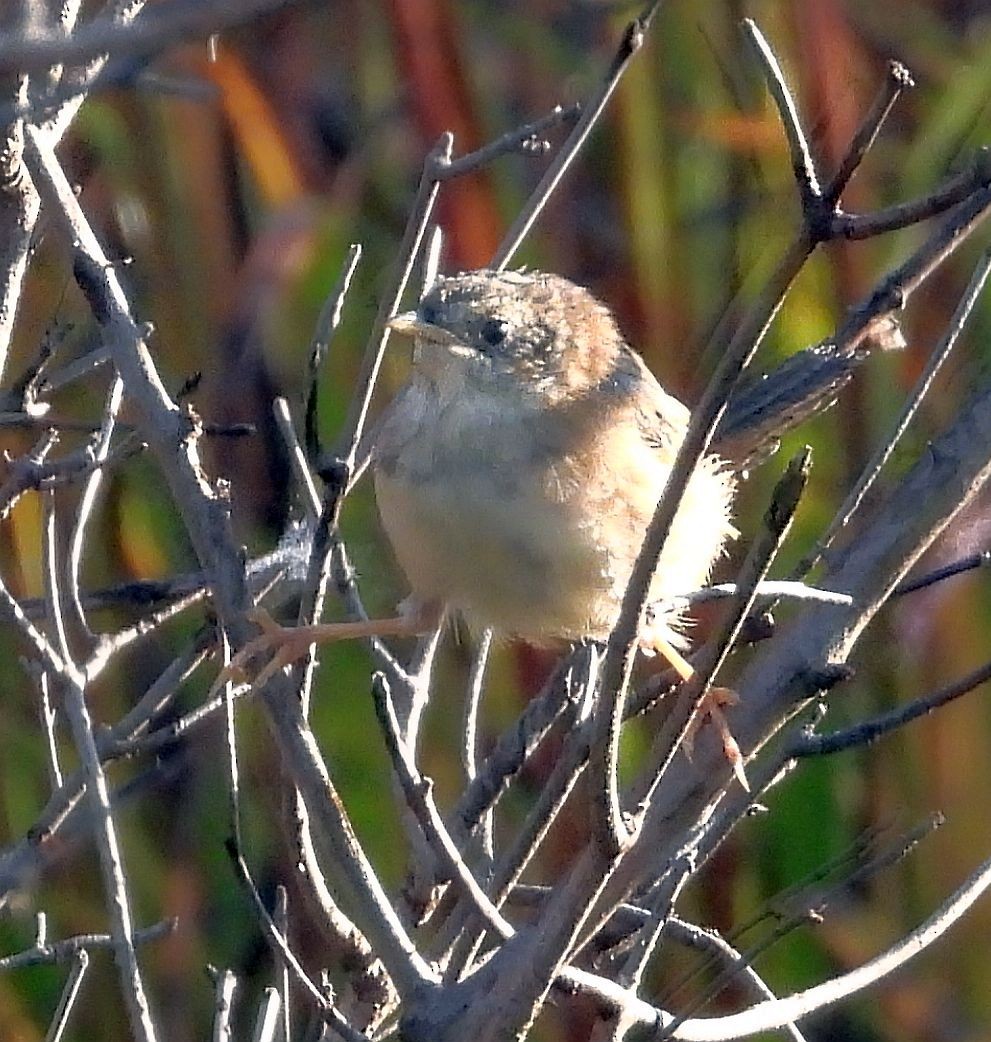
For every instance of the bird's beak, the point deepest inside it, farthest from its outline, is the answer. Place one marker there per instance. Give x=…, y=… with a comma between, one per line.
x=411, y=323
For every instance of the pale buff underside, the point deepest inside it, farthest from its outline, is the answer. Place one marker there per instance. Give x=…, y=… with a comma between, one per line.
x=539, y=549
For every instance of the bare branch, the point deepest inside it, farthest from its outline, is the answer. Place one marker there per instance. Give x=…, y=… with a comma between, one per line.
x=802, y=164
x=630, y=45
x=168, y=24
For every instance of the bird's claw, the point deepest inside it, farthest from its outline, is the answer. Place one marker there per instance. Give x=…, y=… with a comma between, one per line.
x=712, y=709
x=285, y=644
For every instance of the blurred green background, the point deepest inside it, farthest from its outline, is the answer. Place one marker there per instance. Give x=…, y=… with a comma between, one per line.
x=235, y=188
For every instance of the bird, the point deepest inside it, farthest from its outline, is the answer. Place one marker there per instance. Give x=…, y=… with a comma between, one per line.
x=517, y=469
x=516, y=472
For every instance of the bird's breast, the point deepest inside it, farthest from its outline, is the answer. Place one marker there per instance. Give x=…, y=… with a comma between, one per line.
x=486, y=516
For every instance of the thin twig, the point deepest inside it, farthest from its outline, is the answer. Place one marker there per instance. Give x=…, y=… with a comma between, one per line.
x=897, y=79
x=955, y=190
x=169, y=23
x=327, y=1009
x=323, y=334
x=982, y=559
x=70, y=992
x=426, y=195
x=802, y=163
x=105, y=830
x=630, y=45
x=554, y=792
x=225, y=984
x=87, y=502
x=419, y=798
x=280, y=918
x=873, y=468
x=777, y=521
x=514, y=140
x=869, y=731
x=63, y=951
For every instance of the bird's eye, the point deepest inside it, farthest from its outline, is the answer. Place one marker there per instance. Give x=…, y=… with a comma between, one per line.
x=493, y=331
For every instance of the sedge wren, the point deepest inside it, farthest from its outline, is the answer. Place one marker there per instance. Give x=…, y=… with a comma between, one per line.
x=518, y=468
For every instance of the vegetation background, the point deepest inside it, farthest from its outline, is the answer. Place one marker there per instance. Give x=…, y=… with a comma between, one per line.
x=236, y=185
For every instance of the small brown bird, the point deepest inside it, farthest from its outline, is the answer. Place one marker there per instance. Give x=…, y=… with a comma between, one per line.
x=518, y=468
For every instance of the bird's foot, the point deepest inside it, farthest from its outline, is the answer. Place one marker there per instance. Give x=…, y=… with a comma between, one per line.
x=711, y=709
x=288, y=644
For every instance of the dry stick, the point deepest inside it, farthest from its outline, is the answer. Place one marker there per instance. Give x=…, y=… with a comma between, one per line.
x=767, y=1016
x=48, y=718
x=109, y=644
x=267, y=1017
x=328, y=1011
x=553, y=794
x=894, y=291
x=868, y=732
x=55, y=623
x=810, y=911
x=469, y=729
x=280, y=918
x=49, y=561
x=64, y=806
x=419, y=798
x=57, y=952
x=512, y=141
x=225, y=985
x=898, y=78
x=19, y=200
x=873, y=468
x=409, y=248
x=339, y=930
x=169, y=23
x=982, y=559
x=87, y=503
x=955, y=190
x=26, y=472
x=19, y=208
x=108, y=847
x=712, y=944
x=511, y=751
x=806, y=743
x=777, y=521
x=631, y=973
x=326, y=546
x=115, y=884
x=802, y=164
x=618, y=1002
x=821, y=213
x=415, y=685
x=632, y=41
x=327, y=559
x=273, y=934
x=630, y=918
x=328, y=322
x=372, y=986
x=162, y=425
x=70, y=992
x=624, y=640
x=297, y=459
